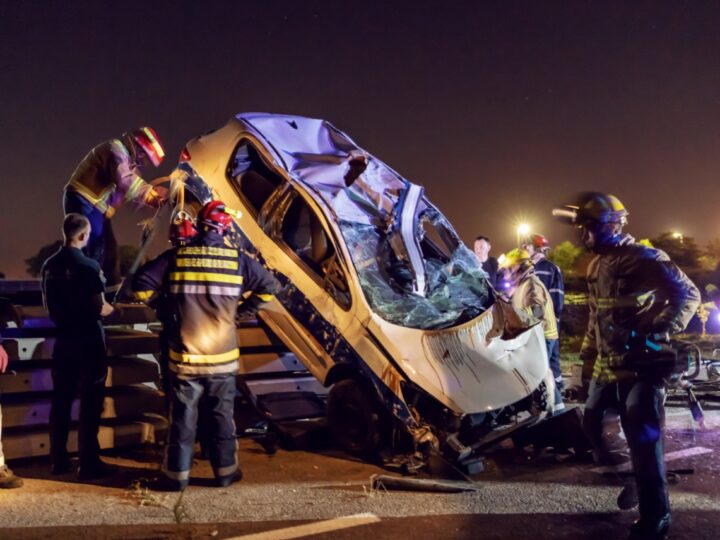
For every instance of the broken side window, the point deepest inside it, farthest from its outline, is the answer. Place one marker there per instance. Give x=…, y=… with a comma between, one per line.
x=303, y=232
x=249, y=174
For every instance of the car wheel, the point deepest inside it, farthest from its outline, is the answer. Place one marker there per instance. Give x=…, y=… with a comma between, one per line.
x=355, y=417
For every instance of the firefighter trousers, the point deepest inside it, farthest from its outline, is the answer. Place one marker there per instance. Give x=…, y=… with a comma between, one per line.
x=219, y=395
x=642, y=414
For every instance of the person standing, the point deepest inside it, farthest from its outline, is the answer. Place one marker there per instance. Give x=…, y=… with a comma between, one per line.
x=106, y=177
x=8, y=480
x=202, y=283
x=551, y=276
x=527, y=293
x=635, y=293
x=482, y=247
x=72, y=286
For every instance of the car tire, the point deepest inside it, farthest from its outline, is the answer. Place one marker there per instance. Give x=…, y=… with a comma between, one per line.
x=355, y=417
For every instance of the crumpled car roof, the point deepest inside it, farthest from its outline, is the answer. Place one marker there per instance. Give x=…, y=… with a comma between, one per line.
x=315, y=153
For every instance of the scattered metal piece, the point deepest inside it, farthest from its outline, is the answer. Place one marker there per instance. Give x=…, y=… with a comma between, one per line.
x=379, y=481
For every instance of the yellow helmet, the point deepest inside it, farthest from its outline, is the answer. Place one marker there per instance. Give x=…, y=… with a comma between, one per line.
x=513, y=257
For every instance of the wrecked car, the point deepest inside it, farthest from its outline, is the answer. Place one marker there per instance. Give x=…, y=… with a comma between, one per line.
x=381, y=300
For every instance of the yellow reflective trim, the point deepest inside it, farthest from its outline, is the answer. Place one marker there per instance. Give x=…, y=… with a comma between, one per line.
x=134, y=189
x=99, y=202
x=265, y=297
x=205, y=358
x=143, y=296
x=205, y=276
x=208, y=250
x=207, y=263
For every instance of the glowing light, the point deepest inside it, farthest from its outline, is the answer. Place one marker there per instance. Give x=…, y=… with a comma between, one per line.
x=677, y=236
x=522, y=230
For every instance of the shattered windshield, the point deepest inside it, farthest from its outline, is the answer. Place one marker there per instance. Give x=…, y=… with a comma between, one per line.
x=457, y=290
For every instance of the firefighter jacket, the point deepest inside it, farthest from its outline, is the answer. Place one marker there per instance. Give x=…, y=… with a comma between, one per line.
x=632, y=287
x=552, y=278
x=108, y=176
x=532, y=297
x=202, y=284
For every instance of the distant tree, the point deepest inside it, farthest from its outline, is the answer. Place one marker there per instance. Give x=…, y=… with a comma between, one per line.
x=566, y=255
x=681, y=249
x=34, y=263
x=710, y=257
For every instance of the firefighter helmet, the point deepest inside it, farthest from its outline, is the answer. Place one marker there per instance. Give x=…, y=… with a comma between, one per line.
x=538, y=241
x=146, y=139
x=513, y=257
x=214, y=216
x=182, y=229
x=592, y=207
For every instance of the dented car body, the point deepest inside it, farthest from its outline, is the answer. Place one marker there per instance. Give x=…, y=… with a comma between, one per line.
x=380, y=297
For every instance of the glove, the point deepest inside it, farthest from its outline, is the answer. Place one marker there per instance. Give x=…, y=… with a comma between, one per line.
x=155, y=196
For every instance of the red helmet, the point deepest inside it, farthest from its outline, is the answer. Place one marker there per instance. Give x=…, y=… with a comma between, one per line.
x=538, y=241
x=146, y=138
x=182, y=229
x=213, y=215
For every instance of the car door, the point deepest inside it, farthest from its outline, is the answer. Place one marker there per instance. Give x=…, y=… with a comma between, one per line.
x=315, y=305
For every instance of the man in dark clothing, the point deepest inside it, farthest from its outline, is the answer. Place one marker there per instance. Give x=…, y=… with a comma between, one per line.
x=73, y=287
x=633, y=292
x=108, y=176
x=551, y=276
x=482, y=248
x=203, y=283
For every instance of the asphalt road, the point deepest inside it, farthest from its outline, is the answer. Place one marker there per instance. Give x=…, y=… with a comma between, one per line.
x=300, y=494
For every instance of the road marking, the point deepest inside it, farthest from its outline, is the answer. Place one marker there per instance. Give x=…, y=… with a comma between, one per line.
x=312, y=528
x=678, y=454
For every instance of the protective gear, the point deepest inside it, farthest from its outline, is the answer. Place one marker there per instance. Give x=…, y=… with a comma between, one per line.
x=632, y=290
x=538, y=241
x=107, y=177
x=182, y=229
x=147, y=140
x=512, y=258
x=593, y=207
x=200, y=286
x=216, y=216
x=531, y=296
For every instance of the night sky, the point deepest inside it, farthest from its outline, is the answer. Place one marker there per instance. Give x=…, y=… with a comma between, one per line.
x=500, y=109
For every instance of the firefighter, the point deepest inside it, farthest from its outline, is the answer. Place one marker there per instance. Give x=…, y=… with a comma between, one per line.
x=108, y=176
x=8, y=480
x=203, y=282
x=527, y=293
x=551, y=276
x=633, y=291
x=73, y=288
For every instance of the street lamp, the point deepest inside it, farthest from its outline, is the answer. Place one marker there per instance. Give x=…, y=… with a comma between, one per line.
x=678, y=236
x=523, y=229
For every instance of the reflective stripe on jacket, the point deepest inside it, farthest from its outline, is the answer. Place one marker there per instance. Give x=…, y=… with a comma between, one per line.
x=551, y=276
x=107, y=176
x=632, y=287
x=532, y=297
x=201, y=285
